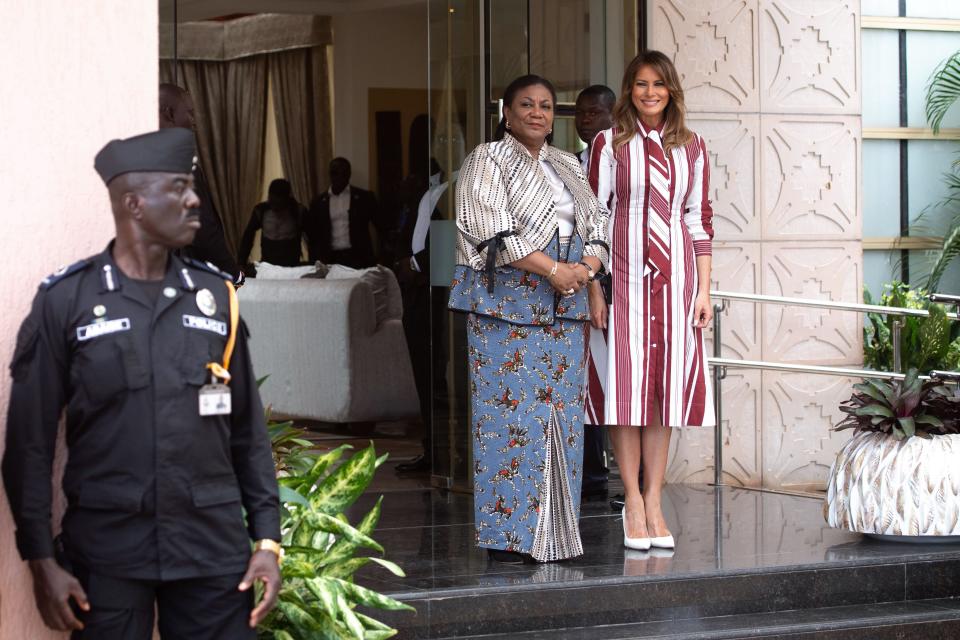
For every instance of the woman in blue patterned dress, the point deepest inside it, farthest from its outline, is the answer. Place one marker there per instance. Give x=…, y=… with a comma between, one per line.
x=531, y=236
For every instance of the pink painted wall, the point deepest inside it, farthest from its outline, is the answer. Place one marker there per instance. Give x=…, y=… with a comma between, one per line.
x=75, y=75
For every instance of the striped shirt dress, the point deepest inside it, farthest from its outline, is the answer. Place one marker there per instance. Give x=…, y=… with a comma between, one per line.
x=651, y=358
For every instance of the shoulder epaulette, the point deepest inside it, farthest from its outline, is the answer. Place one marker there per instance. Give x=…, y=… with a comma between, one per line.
x=65, y=272
x=209, y=267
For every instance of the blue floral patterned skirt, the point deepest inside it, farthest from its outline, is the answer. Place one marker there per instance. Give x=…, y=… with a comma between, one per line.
x=527, y=389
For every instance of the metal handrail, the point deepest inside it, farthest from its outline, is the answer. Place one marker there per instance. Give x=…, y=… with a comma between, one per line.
x=825, y=304
x=734, y=363
x=720, y=364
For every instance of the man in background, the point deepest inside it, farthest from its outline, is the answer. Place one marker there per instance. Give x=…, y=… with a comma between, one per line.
x=210, y=244
x=339, y=221
x=594, y=113
x=280, y=220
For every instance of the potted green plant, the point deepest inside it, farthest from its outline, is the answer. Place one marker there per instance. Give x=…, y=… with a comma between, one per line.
x=898, y=476
x=319, y=598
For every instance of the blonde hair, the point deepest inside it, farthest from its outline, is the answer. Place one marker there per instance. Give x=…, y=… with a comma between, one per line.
x=625, y=115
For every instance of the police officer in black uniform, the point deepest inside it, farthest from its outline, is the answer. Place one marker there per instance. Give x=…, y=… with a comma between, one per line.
x=165, y=430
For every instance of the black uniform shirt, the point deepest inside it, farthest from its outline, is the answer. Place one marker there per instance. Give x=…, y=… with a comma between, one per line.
x=153, y=489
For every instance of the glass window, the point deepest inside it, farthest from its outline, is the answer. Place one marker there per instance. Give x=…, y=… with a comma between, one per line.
x=508, y=46
x=879, y=267
x=931, y=9
x=881, y=80
x=921, y=263
x=881, y=188
x=572, y=43
x=927, y=161
x=925, y=51
x=879, y=7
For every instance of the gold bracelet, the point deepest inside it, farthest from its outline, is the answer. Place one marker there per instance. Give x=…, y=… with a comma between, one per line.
x=272, y=546
x=553, y=271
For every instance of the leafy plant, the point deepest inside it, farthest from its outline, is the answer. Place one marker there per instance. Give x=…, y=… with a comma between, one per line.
x=943, y=91
x=901, y=408
x=318, y=597
x=926, y=343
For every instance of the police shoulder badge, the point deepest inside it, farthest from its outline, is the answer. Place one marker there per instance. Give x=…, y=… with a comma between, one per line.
x=206, y=302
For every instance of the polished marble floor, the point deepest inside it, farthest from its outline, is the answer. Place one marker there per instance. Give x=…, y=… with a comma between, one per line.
x=430, y=534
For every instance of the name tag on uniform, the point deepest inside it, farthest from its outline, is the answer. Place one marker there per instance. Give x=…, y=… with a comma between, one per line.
x=98, y=329
x=205, y=324
x=215, y=400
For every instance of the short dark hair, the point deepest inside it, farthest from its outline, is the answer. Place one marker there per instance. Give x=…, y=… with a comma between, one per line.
x=600, y=91
x=280, y=188
x=510, y=93
x=341, y=160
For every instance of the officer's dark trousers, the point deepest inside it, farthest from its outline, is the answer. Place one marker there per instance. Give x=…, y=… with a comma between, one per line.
x=198, y=609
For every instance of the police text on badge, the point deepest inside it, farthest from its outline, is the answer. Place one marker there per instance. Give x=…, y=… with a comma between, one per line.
x=205, y=324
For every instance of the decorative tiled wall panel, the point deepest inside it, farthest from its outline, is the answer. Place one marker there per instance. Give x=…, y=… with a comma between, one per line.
x=798, y=444
x=714, y=43
x=815, y=270
x=736, y=267
x=691, y=449
x=810, y=177
x=809, y=56
x=733, y=144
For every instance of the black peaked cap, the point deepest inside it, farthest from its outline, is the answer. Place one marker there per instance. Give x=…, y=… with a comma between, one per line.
x=171, y=150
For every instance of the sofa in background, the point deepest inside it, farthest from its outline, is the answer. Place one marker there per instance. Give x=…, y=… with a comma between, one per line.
x=327, y=356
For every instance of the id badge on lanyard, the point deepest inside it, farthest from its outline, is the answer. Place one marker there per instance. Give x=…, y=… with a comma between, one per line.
x=215, y=399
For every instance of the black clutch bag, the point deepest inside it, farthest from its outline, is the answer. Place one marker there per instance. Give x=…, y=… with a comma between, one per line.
x=606, y=285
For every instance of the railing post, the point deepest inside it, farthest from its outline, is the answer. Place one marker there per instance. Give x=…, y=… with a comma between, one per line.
x=897, y=354
x=718, y=375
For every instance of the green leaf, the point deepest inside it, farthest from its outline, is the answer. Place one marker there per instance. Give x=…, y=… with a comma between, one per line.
x=870, y=390
x=943, y=90
x=885, y=388
x=370, y=623
x=280, y=634
x=322, y=463
x=370, y=598
x=874, y=410
x=325, y=591
x=343, y=548
x=928, y=419
x=345, y=569
x=335, y=526
x=908, y=425
x=299, y=616
x=391, y=567
x=342, y=487
x=289, y=495
x=353, y=622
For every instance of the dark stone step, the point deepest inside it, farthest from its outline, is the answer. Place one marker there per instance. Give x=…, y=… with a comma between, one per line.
x=920, y=620
x=517, y=608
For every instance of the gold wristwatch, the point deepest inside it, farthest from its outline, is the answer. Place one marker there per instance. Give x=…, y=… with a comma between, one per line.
x=270, y=545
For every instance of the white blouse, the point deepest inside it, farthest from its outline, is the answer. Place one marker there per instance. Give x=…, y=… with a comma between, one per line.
x=562, y=199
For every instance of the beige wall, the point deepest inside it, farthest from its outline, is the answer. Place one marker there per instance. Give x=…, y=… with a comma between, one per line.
x=77, y=74
x=774, y=87
x=386, y=48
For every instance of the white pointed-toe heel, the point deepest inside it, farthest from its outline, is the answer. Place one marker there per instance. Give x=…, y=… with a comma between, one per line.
x=663, y=542
x=640, y=544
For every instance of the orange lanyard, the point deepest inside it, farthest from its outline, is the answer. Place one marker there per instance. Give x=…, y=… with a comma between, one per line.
x=219, y=370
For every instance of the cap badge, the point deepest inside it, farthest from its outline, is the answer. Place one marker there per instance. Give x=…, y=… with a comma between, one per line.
x=206, y=302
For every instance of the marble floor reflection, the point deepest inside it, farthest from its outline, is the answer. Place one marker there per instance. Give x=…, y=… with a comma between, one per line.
x=728, y=530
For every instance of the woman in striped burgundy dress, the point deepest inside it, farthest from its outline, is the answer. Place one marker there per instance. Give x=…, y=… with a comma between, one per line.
x=654, y=173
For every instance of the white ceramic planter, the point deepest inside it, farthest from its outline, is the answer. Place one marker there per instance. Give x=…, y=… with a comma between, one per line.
x=898, y=489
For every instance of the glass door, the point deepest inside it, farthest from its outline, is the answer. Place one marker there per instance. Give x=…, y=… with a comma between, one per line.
x=477, y=47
